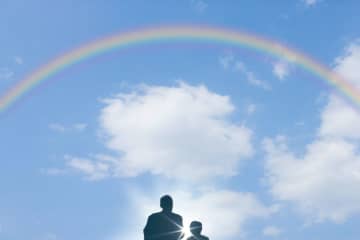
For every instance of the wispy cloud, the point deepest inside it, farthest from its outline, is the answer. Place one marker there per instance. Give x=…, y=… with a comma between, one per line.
x=50, y=236
x=250, y=76
x=226, y=61
x=79, y=126
x=18, y=60
x=229, y=62
x=310, y=2
x=53, y=171
x=6, y=73
x=271, y=231
x=57, y=127
x=251, y=108
x=256, y=82
x=93, y=170
x=300, y=123
x=61, y=128
x=199, y=5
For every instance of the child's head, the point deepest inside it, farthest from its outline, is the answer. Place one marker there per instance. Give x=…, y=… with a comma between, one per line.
x=195, y=227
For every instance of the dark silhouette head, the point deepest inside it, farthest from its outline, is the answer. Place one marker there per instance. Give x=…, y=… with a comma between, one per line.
x=166, y=203
x=195, y=228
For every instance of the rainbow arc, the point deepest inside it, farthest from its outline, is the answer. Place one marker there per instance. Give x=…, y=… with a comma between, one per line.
x=178, y=33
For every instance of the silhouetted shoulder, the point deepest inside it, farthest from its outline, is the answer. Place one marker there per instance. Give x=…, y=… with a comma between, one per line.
x=154, y=215
x=177, y=216
x=151, y=219
x=202, y=237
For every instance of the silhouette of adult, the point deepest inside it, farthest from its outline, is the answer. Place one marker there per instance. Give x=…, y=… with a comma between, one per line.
x=195, y=229
x=164, y=225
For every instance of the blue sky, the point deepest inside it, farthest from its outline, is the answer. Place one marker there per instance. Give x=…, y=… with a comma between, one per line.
x=253, y=146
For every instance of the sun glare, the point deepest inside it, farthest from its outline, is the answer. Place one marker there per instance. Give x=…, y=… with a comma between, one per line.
x=186, y=231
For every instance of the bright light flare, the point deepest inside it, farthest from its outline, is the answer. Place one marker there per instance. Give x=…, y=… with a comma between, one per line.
x=186, y=231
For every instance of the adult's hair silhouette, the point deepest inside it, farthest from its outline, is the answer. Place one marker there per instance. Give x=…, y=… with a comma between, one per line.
x=166, y=203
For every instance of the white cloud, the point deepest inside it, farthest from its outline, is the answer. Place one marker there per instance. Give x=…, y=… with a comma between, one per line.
x=272, y=231
x=281, y=69
x=181, y=132
x=323, y=182
x=6, y=74
x=251, y=108
x=57, y=127
x=339, y=119
x=310, y=2
x=199, y=5
x=348, y=64
x=19, y=60
x=222, y=212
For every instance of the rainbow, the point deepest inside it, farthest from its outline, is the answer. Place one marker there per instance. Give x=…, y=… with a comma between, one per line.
x=171, y=33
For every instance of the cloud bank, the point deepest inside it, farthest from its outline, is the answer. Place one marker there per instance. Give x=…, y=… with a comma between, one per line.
x=323, y=183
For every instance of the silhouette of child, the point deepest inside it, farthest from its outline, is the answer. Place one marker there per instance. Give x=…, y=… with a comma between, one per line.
x=195, y=229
